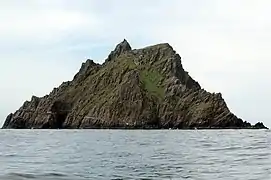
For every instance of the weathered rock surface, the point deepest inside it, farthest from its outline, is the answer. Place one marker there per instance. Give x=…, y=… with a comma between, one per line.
x=141, y=88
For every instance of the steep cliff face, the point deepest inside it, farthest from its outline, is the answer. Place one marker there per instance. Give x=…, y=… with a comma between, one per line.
x=140, y=88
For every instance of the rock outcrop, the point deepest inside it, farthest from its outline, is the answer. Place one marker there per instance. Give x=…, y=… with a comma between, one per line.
x=140, y=88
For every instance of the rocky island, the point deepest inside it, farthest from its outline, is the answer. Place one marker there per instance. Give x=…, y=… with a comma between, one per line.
x=133, y=88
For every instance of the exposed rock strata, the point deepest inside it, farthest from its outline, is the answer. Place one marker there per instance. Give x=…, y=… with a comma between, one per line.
x=142, y=88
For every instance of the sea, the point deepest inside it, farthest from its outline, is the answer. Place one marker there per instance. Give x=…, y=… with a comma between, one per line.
x=135, y=154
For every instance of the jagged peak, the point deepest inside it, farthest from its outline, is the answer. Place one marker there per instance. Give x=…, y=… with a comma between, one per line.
x=89, y=62
x=119, y=49
x=35, y=98
x=86, y=66
x=124, y=46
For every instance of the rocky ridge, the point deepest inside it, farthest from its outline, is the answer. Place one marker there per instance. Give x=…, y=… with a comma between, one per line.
x=133, y=88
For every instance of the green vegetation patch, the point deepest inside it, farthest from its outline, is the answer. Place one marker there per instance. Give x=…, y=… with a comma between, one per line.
x=151, y=82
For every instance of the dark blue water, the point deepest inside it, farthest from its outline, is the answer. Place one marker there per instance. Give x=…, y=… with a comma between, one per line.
x=135, y=154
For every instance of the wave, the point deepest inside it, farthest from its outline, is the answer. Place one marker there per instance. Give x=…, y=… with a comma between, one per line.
x=44, y=176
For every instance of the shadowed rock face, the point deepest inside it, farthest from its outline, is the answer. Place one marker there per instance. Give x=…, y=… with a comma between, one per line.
x=141, y=88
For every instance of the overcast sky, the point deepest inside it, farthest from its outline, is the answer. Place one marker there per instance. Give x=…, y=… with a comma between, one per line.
x=225, y=44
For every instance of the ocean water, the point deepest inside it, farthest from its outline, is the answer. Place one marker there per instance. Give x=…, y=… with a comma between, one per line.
x=135, y=154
